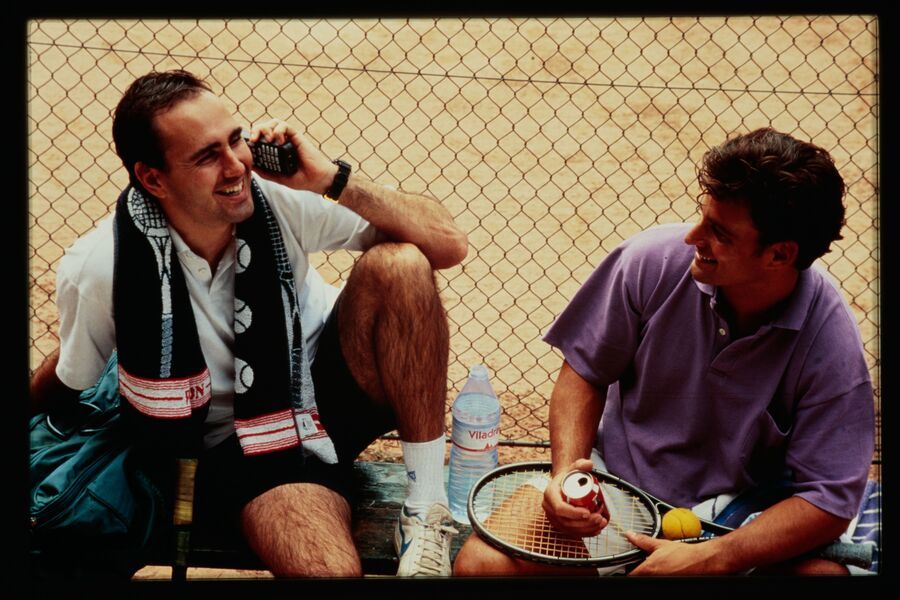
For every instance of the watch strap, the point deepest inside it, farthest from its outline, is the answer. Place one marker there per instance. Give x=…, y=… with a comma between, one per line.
x=340, y=180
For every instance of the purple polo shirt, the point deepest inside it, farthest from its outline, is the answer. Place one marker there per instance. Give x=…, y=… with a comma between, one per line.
x=691, y=414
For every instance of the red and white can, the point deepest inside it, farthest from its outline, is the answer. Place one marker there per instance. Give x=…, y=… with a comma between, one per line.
x=580, y=488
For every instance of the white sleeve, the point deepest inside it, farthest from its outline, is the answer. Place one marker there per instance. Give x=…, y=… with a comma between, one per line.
x=316, y=223
x=87, y=334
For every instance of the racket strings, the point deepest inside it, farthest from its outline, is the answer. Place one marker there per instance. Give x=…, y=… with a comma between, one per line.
x=510, y=508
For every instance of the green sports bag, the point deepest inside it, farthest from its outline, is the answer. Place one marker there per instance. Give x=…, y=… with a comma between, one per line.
x=92, y=509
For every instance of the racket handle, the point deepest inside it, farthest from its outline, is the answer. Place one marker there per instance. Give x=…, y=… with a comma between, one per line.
x=183, y=515
x=844, y=553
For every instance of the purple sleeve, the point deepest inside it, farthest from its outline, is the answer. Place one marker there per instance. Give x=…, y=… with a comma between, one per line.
x=598, y=330
x=833, y=435
x=832, y=450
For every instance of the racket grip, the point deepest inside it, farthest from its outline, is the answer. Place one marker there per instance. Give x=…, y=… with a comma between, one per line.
x=844, y=553
x=183, y=514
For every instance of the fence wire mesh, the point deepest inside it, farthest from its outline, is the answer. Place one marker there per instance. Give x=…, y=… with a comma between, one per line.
x=549, y=140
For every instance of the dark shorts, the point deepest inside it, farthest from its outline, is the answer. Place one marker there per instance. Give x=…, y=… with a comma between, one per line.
x=226, y=480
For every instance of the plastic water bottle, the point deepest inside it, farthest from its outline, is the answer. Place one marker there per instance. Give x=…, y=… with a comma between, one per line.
x=476, y=432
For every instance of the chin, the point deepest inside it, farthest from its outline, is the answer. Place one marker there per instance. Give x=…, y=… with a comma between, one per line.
x=241, y=213
x=246, y=213
x=702, y=276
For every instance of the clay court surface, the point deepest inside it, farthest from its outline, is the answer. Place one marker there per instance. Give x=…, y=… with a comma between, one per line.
x=549, y=140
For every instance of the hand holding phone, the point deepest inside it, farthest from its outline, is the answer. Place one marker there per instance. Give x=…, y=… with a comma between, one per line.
x=280, y=160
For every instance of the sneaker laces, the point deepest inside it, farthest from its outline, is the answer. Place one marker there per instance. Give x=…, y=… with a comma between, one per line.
x=435, y=537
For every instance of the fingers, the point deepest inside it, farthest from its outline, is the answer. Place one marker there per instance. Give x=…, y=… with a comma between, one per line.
x=576, y=520
x=644, y=542
x=316, y=171
x=647, y=544
x=274, y=130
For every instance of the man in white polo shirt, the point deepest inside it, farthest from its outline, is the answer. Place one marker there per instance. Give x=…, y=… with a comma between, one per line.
x=231, y=346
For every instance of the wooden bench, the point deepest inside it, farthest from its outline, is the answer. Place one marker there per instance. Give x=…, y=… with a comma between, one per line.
x=382, y=491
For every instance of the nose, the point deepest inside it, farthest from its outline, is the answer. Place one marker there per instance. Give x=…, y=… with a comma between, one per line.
x=233, y=165
x=695, y=235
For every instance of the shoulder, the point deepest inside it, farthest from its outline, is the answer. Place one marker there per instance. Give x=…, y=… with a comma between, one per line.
x=314, y=222
x=301, y=210
x=829, y=306
x=281, y=197
x=835, y=342
x=90, y=261
x=659, y=243
x=284, y=200
x=657, y=257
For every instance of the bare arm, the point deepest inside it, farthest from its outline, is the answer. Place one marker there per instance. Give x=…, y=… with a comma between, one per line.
x=406, y=217
x=780, y=533
x=402, y=216
x=47, y=393
x=575, y=410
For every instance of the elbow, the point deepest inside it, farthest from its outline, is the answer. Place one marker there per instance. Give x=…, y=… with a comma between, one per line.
x=460, y=246
x=454, y=249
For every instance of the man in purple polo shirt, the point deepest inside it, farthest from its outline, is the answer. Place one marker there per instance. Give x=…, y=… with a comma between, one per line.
x=705, y=361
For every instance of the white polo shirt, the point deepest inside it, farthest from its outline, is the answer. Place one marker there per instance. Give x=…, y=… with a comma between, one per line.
x=309, y=223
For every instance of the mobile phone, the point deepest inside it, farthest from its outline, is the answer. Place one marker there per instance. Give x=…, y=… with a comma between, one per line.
x=281, y=160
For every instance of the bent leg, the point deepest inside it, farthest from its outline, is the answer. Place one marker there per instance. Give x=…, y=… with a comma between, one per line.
x=302, y=530
x=395, y=338
x=477, y=558
x=804, y=566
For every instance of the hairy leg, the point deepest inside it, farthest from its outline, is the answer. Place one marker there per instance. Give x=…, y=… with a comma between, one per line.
x=395, y=338
x=302, y=530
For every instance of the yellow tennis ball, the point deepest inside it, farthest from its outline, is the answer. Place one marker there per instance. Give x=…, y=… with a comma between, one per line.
x=680, y=523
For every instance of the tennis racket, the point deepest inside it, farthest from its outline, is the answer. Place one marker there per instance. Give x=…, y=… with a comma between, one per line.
x=505, y=509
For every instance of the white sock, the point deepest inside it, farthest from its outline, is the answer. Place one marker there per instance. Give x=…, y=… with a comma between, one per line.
x=424, y=474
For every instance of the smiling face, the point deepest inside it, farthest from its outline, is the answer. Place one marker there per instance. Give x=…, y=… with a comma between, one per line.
x=205, y=185
x=728, y=254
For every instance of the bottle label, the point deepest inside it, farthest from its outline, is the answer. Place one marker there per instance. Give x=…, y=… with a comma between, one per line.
x=473, y=439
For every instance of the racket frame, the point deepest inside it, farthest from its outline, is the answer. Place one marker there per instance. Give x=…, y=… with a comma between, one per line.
x=846, y=553
x=622, y=558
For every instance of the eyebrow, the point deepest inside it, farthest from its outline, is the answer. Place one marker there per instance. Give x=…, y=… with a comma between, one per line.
x=214, y=146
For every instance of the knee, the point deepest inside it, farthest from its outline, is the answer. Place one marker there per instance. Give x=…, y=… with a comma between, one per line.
x=804, y=566
x=476, y=558
x=465, y=564
x=817, y=566
x=302, y=530
x=396, y=262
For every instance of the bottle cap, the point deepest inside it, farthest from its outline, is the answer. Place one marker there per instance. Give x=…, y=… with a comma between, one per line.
x=478, y=371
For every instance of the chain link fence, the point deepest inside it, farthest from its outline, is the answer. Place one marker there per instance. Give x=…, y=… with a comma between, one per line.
x=549, y=140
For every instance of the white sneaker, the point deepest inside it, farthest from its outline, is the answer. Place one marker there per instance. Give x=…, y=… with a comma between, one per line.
x=424, y=546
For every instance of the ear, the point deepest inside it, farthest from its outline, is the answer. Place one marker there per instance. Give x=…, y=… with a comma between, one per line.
x=150, y=179
x=784, y=254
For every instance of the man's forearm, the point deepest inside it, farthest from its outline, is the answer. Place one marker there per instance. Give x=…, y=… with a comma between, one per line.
x=406, y=217
x=575, y=410
x=780, y=533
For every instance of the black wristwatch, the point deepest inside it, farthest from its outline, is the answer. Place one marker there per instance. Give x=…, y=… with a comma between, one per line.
x=340, y=180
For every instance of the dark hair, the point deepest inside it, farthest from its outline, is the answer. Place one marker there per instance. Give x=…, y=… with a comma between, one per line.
x=791, y=188
x=133, y=130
